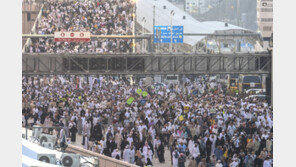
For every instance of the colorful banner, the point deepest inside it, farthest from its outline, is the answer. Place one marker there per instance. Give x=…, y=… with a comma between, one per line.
x=144, y=94
x=186, y=108
x=139, y=91
x=181, y=118
x=130, y=100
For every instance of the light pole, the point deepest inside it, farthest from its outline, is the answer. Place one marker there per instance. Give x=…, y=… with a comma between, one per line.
x=134, y=25
x=153, y=44
x=237, y=13
x=171, y=42
x=143, y=32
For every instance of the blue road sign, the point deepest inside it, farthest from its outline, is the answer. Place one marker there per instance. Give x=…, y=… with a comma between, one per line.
x=162, y=34
x=246, y=45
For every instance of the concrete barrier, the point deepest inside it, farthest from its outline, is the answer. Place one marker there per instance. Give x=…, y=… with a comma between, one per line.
x=104, y=161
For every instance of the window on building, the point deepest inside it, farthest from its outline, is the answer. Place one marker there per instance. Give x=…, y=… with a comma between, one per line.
x=266, y=19
x=266, y=9
x=28, y=16
x=267, y=28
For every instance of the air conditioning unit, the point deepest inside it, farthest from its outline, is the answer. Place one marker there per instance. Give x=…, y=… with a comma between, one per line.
x=70, y=160
x=48, y=145
x=48, y=139
x=48, y=158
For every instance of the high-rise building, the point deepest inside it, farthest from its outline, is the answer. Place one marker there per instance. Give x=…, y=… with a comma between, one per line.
x=265, y=19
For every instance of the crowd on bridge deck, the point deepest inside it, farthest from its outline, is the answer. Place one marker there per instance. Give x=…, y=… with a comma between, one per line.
x=198, y=120
x=104, y=17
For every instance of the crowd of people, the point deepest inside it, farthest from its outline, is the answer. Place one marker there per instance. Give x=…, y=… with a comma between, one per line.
x=198, y=122
x=104, y=17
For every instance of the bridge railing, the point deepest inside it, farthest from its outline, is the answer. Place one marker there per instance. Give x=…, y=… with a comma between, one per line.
x=104, y=161
x=146, y=64
x=144, y=42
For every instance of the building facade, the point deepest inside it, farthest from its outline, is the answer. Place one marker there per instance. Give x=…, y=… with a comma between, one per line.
x=265, y=19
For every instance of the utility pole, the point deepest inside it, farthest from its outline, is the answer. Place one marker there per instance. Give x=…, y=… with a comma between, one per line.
x=171, y=42
x=134, y=26
x=143, y=32
x=153, y=45
x=237, y=13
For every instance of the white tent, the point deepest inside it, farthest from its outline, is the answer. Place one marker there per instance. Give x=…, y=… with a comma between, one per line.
x=162, y=17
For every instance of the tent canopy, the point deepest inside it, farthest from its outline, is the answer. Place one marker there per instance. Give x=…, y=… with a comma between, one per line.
x=163, y=17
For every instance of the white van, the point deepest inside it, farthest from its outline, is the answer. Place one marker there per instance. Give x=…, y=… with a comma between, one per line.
x=174, y=79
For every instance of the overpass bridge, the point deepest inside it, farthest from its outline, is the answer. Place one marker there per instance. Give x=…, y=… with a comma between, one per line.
x=145, y=63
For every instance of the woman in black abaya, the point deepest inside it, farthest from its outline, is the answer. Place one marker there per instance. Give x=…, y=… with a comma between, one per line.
x=160, y=153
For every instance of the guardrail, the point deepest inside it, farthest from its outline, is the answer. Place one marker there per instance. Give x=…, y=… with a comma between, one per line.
x=91, y=36
x=104, y=161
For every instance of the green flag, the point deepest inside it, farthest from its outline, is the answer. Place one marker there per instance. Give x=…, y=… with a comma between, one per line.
x=139, y=91
x=130, y=100
x=144, y=94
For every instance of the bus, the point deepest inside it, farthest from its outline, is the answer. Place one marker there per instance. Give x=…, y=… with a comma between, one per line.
x=171, y=79
x=233, y=82
x=249, y=82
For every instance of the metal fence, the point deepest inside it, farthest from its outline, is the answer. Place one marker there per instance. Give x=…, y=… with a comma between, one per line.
x=103, y=161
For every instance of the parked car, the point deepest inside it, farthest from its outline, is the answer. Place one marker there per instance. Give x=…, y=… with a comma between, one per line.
x=255, y=91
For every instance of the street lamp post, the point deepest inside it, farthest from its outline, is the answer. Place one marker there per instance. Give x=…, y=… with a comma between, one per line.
x=134, y=25
x=171, y=42
x=237, y=12
x=153, y=44
x=143, y=32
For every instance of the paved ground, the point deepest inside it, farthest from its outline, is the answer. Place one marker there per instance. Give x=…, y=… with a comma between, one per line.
x=154, y=161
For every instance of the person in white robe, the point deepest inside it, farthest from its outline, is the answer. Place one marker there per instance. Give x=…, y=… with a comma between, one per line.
x=150, y=154
x=190, y=146
x=145, y=151
x=175, y=158
x=132, y=155
x=115, y=153
x=195, y=151
x=126, y=154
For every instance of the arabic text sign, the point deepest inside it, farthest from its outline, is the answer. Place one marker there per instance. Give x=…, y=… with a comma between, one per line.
x=162, y=34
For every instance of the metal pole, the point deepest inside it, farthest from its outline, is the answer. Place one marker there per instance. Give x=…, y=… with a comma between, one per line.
x=134, y=26
x=171, y=42
x=26, y=132
x=237, y=13
x=143, y=31
x=153, y=46
x=171, y=33
x=144, y=39
x=271, y=79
